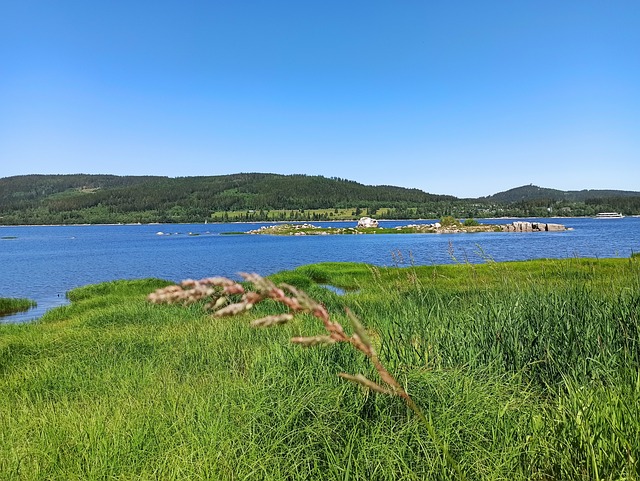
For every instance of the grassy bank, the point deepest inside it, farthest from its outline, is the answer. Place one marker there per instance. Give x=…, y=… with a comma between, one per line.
x=11, y=306
x=527, y=370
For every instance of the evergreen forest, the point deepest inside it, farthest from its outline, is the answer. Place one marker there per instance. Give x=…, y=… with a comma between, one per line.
x=102, y=199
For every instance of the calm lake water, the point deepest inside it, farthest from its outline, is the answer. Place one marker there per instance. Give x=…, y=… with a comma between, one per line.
x=44, y=262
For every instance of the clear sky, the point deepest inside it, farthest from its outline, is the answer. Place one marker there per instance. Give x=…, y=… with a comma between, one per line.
x=466, y=98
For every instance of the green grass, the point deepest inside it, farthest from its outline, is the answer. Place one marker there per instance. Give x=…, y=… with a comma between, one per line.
x=11, y=306
x=527, y=370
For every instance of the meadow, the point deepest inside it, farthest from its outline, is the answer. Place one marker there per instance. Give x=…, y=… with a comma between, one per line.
x=523, y=370
x=280, y=215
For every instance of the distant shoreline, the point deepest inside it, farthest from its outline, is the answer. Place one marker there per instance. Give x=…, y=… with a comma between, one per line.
x=288, y=221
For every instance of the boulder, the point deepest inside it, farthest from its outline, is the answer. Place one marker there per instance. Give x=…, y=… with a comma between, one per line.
x=556, y=227
x=523, y=226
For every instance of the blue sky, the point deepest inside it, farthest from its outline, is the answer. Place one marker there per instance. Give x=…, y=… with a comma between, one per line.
x=461, y=97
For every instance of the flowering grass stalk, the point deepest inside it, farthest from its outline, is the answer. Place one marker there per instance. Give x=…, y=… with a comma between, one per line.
x=222, y=294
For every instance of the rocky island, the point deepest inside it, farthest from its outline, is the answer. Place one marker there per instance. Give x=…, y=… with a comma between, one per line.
x=367, y=225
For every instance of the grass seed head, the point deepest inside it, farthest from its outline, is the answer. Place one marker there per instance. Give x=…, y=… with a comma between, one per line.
x=233, y=309
x=363, y=381
x=221, y=301
x=218, y=281
x=313, y=341
x=360, y=346
x=269, y=321
x=361, y=333
x=233, y=289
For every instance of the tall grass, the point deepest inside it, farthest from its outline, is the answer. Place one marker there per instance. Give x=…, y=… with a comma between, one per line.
x=525, y=370
x=10, y=305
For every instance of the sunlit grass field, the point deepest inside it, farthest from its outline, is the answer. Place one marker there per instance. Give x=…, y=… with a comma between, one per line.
x=527, y=370
x=289, y=214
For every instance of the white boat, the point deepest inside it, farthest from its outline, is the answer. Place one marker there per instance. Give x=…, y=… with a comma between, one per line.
x=609, y=215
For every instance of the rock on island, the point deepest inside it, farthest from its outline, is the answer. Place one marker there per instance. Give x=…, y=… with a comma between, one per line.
x=367, y=225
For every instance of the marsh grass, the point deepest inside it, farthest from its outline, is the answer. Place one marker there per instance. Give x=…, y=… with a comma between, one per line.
x=10, y=305
x=526, y=370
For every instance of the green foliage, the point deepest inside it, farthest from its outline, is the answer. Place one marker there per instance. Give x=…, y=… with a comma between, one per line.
x=470, y=222
x=449, y=221
x=532, y=192
x=116, y=288
x=319, y=276
x=11, y=305
x=101, y=199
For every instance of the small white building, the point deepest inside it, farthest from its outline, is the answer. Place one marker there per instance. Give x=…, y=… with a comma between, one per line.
x=367, y=222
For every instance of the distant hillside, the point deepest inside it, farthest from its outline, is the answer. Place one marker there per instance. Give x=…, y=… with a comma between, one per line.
x=532, y=192
x=101, y=199
x=106, y=198
x=236, y=191
x=24, y=190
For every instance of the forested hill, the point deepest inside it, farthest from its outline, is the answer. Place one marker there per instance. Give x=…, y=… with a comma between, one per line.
x=527, y=193
x=225, y=192
x=80, y=198
x=104, y=198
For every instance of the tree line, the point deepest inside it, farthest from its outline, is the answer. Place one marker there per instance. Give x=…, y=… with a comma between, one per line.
x=68, y=199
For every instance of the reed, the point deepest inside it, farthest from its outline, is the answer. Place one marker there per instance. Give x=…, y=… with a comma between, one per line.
x=10, y=305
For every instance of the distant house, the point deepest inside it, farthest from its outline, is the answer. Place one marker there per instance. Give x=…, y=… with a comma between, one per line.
x=367, y=222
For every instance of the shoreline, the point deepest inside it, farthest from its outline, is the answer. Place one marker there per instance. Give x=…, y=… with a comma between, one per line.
x=308, y=229
x=285, y=221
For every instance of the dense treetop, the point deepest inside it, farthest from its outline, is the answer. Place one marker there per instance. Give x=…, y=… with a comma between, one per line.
x=81, y=198
x=533, y=192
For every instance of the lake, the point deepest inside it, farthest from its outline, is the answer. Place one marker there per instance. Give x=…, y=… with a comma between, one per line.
x=44, y=262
